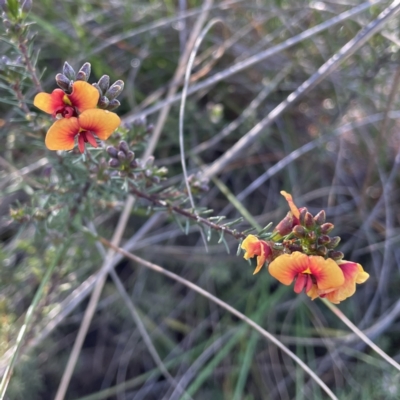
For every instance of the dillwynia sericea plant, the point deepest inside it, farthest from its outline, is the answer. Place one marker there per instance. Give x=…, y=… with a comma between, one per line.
x=299, y=249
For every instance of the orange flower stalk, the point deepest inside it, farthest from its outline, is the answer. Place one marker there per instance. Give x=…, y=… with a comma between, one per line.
x=314, y=274
x=353, y=273
x=256, y=247
x=61, y=135
x=84, y=96
x=77, y=116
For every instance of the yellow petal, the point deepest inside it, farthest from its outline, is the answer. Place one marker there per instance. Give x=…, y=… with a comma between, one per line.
x=286, y=267
x=101, y=122
x=62, y=133
x=84, y=96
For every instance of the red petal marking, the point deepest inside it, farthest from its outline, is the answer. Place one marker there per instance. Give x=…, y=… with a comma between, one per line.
x=326, y=272
x=81, y=143
x=49, y=103
x=62, y=133
x=90, y=138
x=300, y=283
x=101, y=122
x=84, y=96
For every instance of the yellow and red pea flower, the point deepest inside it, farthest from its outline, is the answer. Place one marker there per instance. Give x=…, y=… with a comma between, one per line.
x=353, y=273
x=256, y=247
x=318, y=276
x=76, y=115
x=61, y=135
x=314, y=274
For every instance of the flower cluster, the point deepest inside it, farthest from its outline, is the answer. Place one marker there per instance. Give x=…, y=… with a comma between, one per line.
x=80, y=109
x=299, y=249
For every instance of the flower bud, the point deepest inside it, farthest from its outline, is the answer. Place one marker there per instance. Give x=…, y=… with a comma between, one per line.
x=294, y=247
x=68, y=71
x=115, y=90
x=84, y=72
x=98, y=88
x=320, y=218
x=112, y=151
x=309, y=222
x=326, y=228
x=324, y=239
x=284, y=227
x=62, y=81
x=133, y=164
x=299, y=231
x=312, y=236
x=335, y=255
x=121, y=156
x=322, y=250
x=114, y=163
x=333, y=243
x=130, y=155
x=149, y=128
x=113, y=104
x=104, y=83
x=312, y=247
x=103, y=102
x=123, y=146
x=302, y=217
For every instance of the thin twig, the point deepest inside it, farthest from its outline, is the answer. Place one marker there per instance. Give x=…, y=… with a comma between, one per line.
x=360, y=334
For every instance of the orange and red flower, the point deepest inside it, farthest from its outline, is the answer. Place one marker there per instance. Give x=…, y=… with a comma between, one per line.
x=353, y=273
x=256, y=247
x=61, y=135
x=314, y=274
x=76, y=115
x=59, y=104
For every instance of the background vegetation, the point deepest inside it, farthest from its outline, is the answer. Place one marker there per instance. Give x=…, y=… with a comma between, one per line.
x=336, y=148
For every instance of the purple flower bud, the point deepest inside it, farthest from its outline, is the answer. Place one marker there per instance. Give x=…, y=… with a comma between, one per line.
x=104, y=83
x=103, y=102
x=68, y=71
x=320, y=218
x=115, y=90
x=123, y=146
x=114, y=163
x=326, y=228
x=84, y=72
x=112, y=151
x=333, y=243
x=121, y=156
x=63, y=82
x=113, y=104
